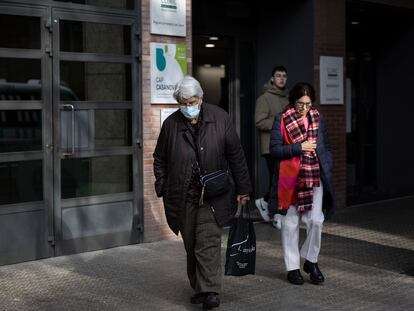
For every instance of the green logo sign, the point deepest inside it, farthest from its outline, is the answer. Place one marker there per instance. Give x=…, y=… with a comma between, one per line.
x=160, y=59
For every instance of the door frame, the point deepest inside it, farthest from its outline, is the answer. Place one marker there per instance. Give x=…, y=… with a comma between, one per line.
x=133, y=105
x=45, y=154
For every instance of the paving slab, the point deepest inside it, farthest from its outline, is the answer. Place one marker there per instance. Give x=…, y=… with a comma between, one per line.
x=367, y=258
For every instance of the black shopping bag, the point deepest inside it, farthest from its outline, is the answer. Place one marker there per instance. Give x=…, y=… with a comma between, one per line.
x=241, y=246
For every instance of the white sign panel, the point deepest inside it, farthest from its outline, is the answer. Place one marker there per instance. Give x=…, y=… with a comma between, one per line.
x=331, y=80
x=168, y=66
x=165, y=113
x=168, y=17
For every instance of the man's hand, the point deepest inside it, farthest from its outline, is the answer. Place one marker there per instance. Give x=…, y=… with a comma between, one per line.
x=242, y=199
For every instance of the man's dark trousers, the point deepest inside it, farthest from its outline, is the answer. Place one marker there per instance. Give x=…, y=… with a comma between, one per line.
x=202, y=242
x=270, y=162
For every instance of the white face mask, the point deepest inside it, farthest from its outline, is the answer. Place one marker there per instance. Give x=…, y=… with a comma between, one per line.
x=190, y=112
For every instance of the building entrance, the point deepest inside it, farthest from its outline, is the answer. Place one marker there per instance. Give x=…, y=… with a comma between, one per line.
x=224, y=63
x=379, y=71
x=69, y=160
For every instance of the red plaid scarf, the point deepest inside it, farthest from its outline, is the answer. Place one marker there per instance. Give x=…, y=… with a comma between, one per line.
x=309, y=173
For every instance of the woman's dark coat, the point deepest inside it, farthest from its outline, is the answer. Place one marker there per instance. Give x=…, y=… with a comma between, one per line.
x=219, y=147
x=279, y=151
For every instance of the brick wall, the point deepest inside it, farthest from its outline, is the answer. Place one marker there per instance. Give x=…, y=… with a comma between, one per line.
x=155, y=225
x=329, y=40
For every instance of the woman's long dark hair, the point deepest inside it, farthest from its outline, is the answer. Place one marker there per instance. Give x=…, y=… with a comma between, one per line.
x=300, y=89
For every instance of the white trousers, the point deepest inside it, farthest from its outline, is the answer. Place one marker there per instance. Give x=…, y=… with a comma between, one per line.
x=313, y=220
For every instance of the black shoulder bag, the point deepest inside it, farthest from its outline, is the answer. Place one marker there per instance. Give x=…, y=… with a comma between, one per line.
x=214, y=184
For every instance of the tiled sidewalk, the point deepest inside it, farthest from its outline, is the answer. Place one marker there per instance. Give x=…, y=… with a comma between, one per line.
x=367, y=258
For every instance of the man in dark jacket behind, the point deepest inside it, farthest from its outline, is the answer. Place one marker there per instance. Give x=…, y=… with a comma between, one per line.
x=199, y=139
x=268, y=105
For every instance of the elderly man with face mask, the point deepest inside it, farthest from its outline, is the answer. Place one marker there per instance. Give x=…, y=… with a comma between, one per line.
x=196, y=140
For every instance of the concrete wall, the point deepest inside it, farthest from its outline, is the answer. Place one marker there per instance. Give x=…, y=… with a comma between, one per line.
x=285, y=36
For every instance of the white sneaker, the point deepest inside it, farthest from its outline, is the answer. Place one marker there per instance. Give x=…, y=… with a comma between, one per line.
x=277, y=221
x=261, y=205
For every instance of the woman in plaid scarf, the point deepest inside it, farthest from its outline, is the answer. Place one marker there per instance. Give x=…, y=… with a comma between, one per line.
x=302, y=188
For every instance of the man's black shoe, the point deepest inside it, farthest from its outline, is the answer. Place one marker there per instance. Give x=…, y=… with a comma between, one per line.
x=316, y=275
x=295, y=277
x=198, y=298
x=211, y=301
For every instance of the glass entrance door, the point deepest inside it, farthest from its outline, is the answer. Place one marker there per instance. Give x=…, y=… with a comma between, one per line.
x=26, y=223
x=95, y=71
x=69, y=157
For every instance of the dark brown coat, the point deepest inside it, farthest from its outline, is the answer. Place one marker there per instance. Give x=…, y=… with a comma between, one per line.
x=219, y=147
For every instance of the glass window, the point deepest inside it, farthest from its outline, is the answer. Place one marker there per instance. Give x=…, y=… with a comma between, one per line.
x=19, y=32
x=86, y=37
x=20, y=130
x=96, y=81
x=96, y=176
x=113, y=128
x=20, y=79
x=21, y=182
x=116, y=4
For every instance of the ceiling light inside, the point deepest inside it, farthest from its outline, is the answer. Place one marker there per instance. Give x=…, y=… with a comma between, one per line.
x=210, y=45
x=213, y=38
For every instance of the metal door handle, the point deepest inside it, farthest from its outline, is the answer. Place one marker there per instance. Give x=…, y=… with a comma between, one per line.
x=72, y=108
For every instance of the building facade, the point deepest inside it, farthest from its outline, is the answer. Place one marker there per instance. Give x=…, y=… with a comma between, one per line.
x=78, y=124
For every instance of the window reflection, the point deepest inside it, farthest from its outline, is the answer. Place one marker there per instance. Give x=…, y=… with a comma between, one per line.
x=96, y=176
x=97, y=81
x=118, y=4
x=19, y=32
x=20, y=79
x=86, y=37
x=21, y=182
x=20, y=130
x=112, y=128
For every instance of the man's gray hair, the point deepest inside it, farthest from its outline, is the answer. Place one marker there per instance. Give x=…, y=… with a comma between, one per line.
x=186, y=88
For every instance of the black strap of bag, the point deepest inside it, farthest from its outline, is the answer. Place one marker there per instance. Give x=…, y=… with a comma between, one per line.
x=196, y=166
x=213, y=184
